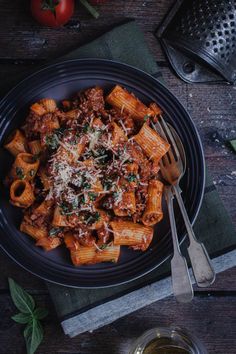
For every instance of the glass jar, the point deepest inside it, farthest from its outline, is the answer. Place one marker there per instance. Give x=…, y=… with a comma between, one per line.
x=167, y=340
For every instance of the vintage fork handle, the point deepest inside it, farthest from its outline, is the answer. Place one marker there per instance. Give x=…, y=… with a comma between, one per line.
x=201, y=263
x=181, y=282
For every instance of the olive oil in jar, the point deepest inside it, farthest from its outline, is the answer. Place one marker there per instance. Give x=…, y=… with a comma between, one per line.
x=164, y=346
x=167, y=340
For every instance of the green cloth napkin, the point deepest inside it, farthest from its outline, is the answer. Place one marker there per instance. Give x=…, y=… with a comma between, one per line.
x=126, y=44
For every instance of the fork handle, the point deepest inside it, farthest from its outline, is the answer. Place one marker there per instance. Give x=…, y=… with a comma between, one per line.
x=201, y=264
x=181, y=283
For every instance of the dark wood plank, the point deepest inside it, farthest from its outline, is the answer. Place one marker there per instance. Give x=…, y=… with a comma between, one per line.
x=22, y=37
x=203, y=317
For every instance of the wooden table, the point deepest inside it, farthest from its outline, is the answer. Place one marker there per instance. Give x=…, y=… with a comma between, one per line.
x=212, y=314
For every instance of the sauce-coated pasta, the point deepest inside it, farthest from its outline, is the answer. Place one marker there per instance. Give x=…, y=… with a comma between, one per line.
x=85, y=172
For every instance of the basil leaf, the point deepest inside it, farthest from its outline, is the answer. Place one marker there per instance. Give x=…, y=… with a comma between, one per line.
x=33, y=334
x=22, y=300
x=40, y=313
x=22, y=317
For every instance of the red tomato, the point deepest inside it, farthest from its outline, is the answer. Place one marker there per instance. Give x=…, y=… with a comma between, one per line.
x=53, y=13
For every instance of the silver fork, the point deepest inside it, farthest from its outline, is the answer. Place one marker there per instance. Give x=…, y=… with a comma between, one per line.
x=176, y=162
x=181, y=282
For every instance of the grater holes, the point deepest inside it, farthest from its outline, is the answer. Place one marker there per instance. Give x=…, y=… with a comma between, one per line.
x=209, y=24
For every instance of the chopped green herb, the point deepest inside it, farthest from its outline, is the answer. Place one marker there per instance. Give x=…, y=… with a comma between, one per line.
x=86, y=185
x=52, y=141
x=54, y=231
x=103, y=247
x=81, y=200
x=65, y=209
x=92, y=218
x=92, y=196
x=115, y=195
x=131, y=178
x=75, y=204
x=20, y=173
x=145, y=118
x=85, y=128
x=60, y=131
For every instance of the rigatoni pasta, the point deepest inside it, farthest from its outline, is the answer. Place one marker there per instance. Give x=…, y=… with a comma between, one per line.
x=86, y=174
x=130, y=234
x=125, y=101
x=153, y=211
x=152, y=144
x=16, y=143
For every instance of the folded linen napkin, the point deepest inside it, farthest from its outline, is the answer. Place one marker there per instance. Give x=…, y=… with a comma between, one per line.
x=80, y=310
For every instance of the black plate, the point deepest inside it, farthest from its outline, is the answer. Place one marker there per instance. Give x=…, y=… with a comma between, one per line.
x=61, y=81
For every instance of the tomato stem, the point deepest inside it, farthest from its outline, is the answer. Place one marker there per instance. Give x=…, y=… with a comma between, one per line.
x=90, y=8
x=50, y=5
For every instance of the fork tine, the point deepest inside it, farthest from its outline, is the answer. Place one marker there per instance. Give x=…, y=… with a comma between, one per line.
x=171, y=155
x=165, y=160
x=161, y=131
x=171, y=138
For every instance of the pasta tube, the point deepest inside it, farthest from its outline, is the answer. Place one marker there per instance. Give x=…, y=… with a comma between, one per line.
x=21, y=193
x=125, y=101
x=127, y=233
x=118, y=135
x=153, y=212
x=48, y=104
x=16, y=143
x=152, y=144
x=35, y=147
x=127, y=206
x=34, y=231
x=97, y=221
x=90, y=255
x=44, y=178
x=59, y=220
x=38, y=109
x=49, y=243
x=24, y=167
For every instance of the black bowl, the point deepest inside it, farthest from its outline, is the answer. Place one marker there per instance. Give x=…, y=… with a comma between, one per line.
x=60, y=81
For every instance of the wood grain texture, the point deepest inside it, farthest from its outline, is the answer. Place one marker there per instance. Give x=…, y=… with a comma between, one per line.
x=210, y=318
x=23, y=46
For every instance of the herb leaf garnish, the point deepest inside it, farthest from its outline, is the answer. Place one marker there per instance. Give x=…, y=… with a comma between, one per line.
x=20, y=173
x=22, y=300
x=29, y=314
x=33, y=334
